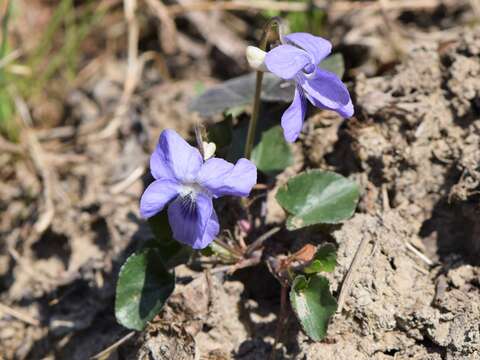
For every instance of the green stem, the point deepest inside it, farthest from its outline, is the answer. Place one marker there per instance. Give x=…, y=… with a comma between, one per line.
x=252, y=126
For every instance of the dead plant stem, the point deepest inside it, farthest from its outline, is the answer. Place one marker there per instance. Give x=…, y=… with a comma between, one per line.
x=260, y=240
x=106, y=353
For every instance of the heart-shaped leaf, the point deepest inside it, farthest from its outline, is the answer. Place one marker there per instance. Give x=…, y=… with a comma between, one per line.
x=318, y=197
x=272, y=154
x=313, y=304
x=143, y=287
x=324, y=260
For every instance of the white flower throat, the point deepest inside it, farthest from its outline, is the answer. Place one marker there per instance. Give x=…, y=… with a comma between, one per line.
x=191, y=190
x=188, y=198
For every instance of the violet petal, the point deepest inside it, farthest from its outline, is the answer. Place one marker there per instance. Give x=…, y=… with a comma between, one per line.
x=175, y=158
x=188, y=218
x=317, y=47
x=286, y=61
x=158, y=194
x=326, y=91
x=223, y=178
x=293, y=117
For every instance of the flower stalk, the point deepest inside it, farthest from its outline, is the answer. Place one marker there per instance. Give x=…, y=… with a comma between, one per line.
x=273, y=24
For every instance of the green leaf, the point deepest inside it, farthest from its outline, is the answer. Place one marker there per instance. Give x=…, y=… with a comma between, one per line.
x=239, y=92
x=318, y=197
x=143, y=287
x=8, y=126
x=236, y=111
x=272, y=154
x=334, y=63
x=221, y=133
x=324, y=260
x=313, y=304
x=171, y=251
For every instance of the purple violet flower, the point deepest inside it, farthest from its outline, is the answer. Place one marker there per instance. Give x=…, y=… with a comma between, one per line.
x=297, y=59
x=187, y=184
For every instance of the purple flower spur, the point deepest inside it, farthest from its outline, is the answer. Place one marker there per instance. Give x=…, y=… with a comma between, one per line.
x=187, y=184
x=297, y=59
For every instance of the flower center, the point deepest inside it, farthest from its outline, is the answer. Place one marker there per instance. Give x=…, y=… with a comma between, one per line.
x=190, y=190
x=309, y=69
x=188, y=196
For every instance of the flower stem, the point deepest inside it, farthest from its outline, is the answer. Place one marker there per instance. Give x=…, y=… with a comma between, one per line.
x=252, y=126
x=276, y=23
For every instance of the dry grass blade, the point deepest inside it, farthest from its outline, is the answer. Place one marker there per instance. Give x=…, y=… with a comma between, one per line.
x=10, y=57
x=9, y=147
x=176, y=10
x=131, y=80
x=420, y=255
x=128, y=181
x=134, y=69
x=39, y=160
x=334, y=6
x=18, y=315
x=217, y=33
x=344, y=6
x=106, y=353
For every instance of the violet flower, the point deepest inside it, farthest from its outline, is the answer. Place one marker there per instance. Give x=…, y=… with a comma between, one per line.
x=297, y=59
x=187, y=184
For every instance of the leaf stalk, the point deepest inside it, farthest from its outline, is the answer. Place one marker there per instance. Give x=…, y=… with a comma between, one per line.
x=275, y=24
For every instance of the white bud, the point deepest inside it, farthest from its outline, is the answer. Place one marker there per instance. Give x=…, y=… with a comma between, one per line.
x=256, y=58
x=208, y=150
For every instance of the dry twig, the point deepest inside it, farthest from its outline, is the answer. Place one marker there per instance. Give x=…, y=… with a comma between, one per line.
x=18, y=315
x=260, y=240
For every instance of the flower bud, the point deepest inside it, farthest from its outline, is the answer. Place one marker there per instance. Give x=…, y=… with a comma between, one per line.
x=244, y=225
x=209, y=150
x=256, y=58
